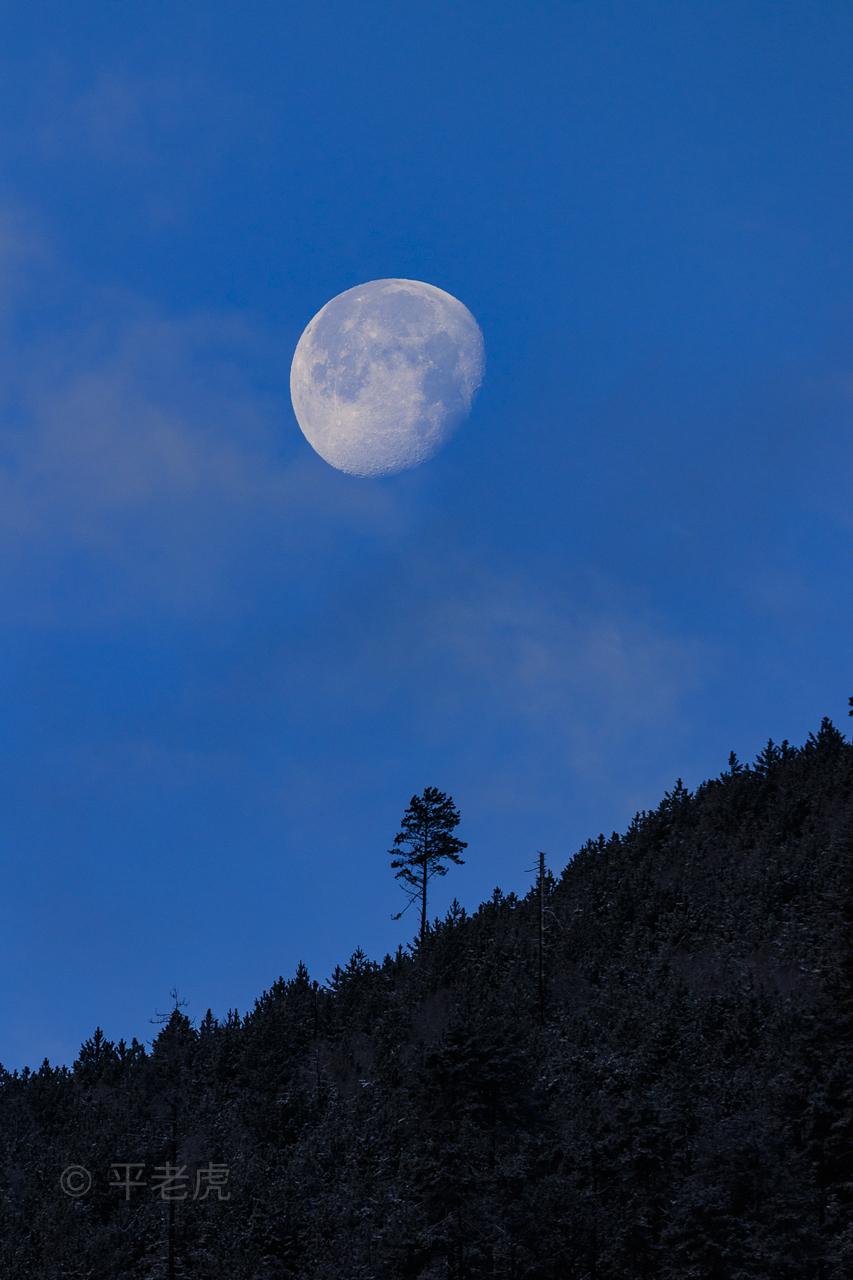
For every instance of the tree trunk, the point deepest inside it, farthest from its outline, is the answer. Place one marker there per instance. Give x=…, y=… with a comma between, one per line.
x=541, y=938
x=423, y=899
x=170, y=1212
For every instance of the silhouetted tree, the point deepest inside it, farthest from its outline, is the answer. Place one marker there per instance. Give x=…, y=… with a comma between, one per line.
x=424, y=843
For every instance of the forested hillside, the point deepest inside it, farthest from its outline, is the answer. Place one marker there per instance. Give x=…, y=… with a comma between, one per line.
x=684, y=1108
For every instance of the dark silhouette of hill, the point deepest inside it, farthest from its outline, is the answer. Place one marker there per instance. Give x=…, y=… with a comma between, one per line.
x=684, y=1109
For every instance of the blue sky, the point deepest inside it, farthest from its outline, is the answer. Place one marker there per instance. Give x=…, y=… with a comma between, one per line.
x=226, y=667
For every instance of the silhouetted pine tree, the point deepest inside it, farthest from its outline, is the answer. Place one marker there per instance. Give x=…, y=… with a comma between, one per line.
x=424, y=843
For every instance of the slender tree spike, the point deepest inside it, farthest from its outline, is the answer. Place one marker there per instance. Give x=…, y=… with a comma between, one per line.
x=424, y=844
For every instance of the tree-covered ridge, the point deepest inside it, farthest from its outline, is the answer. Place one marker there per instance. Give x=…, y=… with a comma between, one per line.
x=685, y=1109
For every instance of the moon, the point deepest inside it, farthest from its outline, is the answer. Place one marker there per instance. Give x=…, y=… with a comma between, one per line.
x=384, y=374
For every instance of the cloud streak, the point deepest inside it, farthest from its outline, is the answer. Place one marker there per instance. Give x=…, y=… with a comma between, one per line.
x=138, y=447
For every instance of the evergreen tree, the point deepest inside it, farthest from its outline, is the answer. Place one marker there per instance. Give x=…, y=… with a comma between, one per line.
x=424, y=844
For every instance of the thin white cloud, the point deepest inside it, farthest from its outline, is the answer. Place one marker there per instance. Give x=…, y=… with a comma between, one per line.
x=123, y=118
x=138, y=448
x=124, y=129
x=514, y=684
x=24, y=252
x=564, y=663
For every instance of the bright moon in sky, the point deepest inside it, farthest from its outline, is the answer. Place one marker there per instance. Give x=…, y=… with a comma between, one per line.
x=384, y=374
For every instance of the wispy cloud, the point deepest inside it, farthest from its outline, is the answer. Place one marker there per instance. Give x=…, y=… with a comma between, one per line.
x=139, y=453
x=115, y=116
x=561, y=667
x=24, y=251
x=122, y=126
x=515, y=685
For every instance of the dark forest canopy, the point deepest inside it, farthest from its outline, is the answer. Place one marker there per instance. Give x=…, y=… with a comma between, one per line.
x=683, y=1111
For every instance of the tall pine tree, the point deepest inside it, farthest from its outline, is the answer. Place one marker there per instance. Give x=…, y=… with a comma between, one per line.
x=424, y=845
